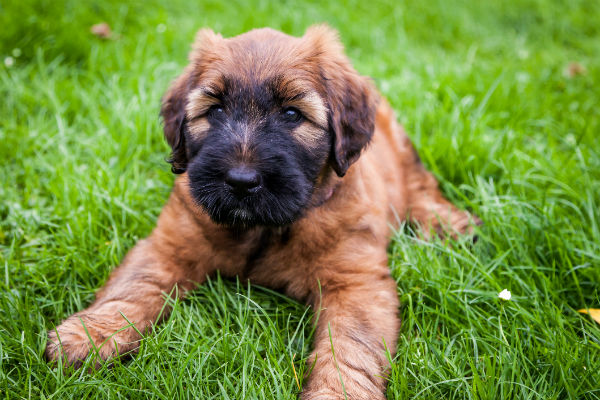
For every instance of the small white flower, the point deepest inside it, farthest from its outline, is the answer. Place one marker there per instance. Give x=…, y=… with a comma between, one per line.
x=505, y=295
x=9, y=61
x=523, y=54
x=522, y=77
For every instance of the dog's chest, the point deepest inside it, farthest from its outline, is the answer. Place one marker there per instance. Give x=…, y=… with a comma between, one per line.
x=262, y=248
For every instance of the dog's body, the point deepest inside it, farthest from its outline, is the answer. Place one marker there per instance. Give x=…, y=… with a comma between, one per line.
x=320, y=230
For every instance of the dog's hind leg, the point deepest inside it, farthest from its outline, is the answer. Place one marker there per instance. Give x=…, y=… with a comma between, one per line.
x=419, y=195
x=428, y=208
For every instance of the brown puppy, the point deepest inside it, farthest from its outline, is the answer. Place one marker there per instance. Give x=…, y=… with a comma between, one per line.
x=292, y=170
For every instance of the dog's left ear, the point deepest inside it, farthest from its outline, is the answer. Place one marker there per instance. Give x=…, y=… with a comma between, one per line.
x=352, y=99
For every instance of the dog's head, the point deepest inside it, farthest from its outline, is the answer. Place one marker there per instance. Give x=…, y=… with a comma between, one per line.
x=259, y=120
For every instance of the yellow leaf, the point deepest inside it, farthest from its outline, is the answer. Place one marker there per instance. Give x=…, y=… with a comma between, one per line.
x=592, y=312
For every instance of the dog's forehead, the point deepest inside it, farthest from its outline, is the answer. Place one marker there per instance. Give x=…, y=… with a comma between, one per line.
x=265, y=48
x=264, y=35
x=262, y=57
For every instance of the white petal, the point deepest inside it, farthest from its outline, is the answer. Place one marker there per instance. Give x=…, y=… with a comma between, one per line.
x=505, y=295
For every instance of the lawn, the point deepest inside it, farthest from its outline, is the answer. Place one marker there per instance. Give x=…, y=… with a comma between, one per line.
x=502, y=101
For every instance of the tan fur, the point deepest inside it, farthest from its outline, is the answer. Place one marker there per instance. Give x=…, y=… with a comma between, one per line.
x=198, y=128
x=313, y=107
x=334, y=257
x=199, y=101
x=307, y=134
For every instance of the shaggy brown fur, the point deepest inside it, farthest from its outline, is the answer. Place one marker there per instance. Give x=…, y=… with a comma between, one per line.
x=333, y=255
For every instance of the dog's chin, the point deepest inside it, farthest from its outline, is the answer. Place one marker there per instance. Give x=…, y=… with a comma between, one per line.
x=247, y=213
x=242, y=219
x=238, y=218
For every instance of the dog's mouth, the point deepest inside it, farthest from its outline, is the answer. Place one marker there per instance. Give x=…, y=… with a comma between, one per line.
x=259, y=206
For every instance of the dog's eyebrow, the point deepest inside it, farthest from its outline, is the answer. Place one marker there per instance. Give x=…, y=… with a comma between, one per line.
x=294, y=97
x=200, y=100
x=211, y=93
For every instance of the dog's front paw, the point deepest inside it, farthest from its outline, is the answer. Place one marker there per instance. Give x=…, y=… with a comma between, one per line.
x=328, y=394
x=83, y=334
x=352, y=384
x=321, y=395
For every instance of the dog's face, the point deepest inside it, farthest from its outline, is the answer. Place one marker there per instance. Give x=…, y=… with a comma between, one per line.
x=258, y=121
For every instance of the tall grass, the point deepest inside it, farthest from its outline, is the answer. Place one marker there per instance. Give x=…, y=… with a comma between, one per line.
x=482, y=91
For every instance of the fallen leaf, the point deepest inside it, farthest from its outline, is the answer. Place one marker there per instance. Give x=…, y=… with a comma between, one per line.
x=573, y=69
x=102, y=30
x=592, y=312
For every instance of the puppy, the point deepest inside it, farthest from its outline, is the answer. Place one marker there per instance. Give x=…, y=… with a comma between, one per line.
x=291, y=170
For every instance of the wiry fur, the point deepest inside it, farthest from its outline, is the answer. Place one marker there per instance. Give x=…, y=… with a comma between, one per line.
x=316, y=228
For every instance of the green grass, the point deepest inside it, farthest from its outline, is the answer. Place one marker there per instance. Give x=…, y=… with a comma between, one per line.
x=481, y=90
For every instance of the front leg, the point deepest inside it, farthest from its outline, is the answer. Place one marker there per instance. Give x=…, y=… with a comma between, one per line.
x=170, y=262
x=358, y=321
x=135, y=292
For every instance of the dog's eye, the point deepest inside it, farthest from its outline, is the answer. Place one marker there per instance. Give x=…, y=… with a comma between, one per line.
x=215, y=109
x=292, y=114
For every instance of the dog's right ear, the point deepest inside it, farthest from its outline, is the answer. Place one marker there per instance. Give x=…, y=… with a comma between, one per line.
x=174, y=101
x=172, y=112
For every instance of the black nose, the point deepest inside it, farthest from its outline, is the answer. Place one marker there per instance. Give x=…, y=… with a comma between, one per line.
x=242, y=180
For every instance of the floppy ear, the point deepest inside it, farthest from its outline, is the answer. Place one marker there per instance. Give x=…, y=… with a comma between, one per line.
x=352, y=99
x=172, y=112
x=174, y=101
x=351, y=119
